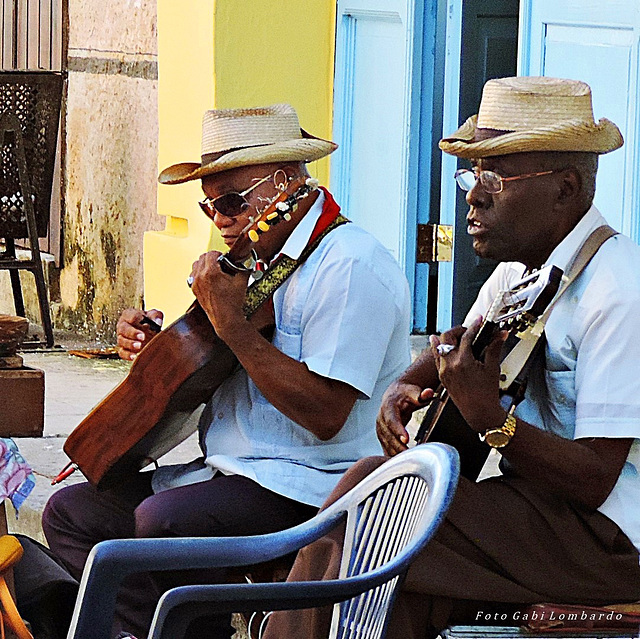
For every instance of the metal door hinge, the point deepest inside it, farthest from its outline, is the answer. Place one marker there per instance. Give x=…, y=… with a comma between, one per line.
x=435, y=243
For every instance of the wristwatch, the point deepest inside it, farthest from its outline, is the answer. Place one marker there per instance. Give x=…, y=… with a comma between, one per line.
x=501, y=436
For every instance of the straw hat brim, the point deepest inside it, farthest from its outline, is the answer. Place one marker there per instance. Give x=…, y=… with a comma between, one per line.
x=299, y=150
x=572, y=135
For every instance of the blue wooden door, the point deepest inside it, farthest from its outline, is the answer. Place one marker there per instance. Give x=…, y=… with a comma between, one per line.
x=481, y=43
x=595, y=41
x=371, y=170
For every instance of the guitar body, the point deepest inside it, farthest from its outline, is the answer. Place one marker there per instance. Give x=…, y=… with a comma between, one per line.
x=516, y=310
x=154, y=407
x=444, y=423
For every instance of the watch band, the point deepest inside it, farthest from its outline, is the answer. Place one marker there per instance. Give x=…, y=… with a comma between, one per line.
x=501, y=436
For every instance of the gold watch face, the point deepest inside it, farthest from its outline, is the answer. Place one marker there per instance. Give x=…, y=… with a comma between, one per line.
x=497, y=438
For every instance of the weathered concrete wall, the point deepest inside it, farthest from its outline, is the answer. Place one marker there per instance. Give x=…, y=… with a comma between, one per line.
x=110, y=168
x=110, y=161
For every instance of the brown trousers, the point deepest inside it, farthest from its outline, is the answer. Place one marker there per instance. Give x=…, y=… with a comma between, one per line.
x=504, y=544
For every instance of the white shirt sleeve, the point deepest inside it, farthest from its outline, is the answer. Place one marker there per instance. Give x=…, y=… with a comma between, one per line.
x=349, y=318
x=607, y=382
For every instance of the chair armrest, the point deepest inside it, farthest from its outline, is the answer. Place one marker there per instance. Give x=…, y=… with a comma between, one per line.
x=227, y=598
x=110, y=562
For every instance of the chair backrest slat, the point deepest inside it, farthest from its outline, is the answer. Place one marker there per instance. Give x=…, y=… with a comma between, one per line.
x=387, y=520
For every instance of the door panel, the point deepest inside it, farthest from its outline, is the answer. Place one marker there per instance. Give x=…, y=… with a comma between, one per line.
x=371, y=117
x=596, y=43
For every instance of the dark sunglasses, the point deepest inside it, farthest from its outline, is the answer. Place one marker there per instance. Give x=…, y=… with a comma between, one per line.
x=230, y=204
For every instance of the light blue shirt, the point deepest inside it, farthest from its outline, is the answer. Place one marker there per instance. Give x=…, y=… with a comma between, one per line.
x=345, y=313
x=590, y=384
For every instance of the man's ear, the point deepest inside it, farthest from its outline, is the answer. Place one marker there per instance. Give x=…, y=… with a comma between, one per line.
x=570, y=186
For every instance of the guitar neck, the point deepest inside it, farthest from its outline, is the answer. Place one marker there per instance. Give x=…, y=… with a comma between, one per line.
x=267, y=218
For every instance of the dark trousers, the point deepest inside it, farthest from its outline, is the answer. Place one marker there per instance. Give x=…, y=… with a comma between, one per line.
x=78, y=517
x=504, y=544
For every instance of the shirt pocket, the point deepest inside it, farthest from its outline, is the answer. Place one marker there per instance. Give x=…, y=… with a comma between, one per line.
x=561, y=401
x=289, y=343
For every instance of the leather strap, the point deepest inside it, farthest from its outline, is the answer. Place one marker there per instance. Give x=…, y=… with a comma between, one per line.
x=520, y=355
x=587, y=251
x=284, y=266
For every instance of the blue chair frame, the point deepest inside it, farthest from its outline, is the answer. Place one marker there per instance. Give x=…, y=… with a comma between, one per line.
x=390, y=516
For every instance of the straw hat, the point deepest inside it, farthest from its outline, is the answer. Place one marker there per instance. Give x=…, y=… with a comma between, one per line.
x=245, y=137
x=523, y=114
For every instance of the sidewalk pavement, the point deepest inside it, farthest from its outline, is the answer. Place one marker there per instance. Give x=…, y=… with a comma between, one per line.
x=73, y=386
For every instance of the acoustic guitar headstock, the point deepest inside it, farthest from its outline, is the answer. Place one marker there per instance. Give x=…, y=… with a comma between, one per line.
x=526, y=300
x=280, y=209
x=519, y=307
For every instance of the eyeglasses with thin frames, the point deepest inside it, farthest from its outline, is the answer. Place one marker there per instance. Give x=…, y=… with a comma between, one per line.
x=490, y=181
x=231, y=204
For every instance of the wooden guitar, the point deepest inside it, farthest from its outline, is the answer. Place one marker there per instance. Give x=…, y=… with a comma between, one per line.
x=516, y=310
x=156, y=406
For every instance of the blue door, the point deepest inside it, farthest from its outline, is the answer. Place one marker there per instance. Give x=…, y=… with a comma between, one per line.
x=388, y=107
x=383, y=113
x=596, y=42
x=371, y=117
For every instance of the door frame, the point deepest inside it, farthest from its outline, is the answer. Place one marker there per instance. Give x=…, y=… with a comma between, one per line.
x=450, y=118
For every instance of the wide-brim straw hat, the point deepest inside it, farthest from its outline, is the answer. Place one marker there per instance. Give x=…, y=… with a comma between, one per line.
x=523, y=114
x=245, y=137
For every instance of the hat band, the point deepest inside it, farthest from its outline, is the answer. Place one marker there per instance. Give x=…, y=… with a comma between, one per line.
x=486, y=134
x=208, y=158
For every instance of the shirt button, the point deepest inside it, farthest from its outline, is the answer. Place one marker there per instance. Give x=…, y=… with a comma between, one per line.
x=220, y=415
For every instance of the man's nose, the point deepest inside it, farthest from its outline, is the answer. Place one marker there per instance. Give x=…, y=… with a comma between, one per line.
x=222, y=221
x=478, y=197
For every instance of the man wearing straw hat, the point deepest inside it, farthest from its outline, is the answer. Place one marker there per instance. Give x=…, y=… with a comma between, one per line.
x=280, y=432
x=562, y=521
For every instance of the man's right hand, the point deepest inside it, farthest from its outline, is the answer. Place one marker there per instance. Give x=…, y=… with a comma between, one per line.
x=133, y=334
x=398, y=404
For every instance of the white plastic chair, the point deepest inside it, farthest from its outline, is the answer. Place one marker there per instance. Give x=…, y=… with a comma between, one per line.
x=390, y=516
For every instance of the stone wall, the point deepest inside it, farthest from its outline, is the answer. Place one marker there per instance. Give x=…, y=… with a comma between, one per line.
x=110, y=161
x=110, y=133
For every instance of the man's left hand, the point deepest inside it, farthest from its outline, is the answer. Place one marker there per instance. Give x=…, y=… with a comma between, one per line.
x=472, y=385
x=220, y=295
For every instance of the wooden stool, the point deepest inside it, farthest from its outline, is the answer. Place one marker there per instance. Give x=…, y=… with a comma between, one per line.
x=10, y=552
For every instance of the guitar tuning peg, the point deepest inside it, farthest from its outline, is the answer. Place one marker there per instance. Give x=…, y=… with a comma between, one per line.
x=253, y=235
x=287, y=217
x=263, y=226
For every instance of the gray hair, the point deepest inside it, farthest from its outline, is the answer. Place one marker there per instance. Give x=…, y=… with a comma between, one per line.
x=585, y=164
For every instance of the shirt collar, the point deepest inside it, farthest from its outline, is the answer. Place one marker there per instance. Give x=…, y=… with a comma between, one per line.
x=562, y=255
x=299, y=238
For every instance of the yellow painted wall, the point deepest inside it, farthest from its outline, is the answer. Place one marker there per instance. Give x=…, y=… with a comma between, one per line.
x=225, y=54
x=185, y=90
x=270, y=51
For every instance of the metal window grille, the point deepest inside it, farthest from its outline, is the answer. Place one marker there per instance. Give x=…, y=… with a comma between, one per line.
x=32, y=34
x=31, y=38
